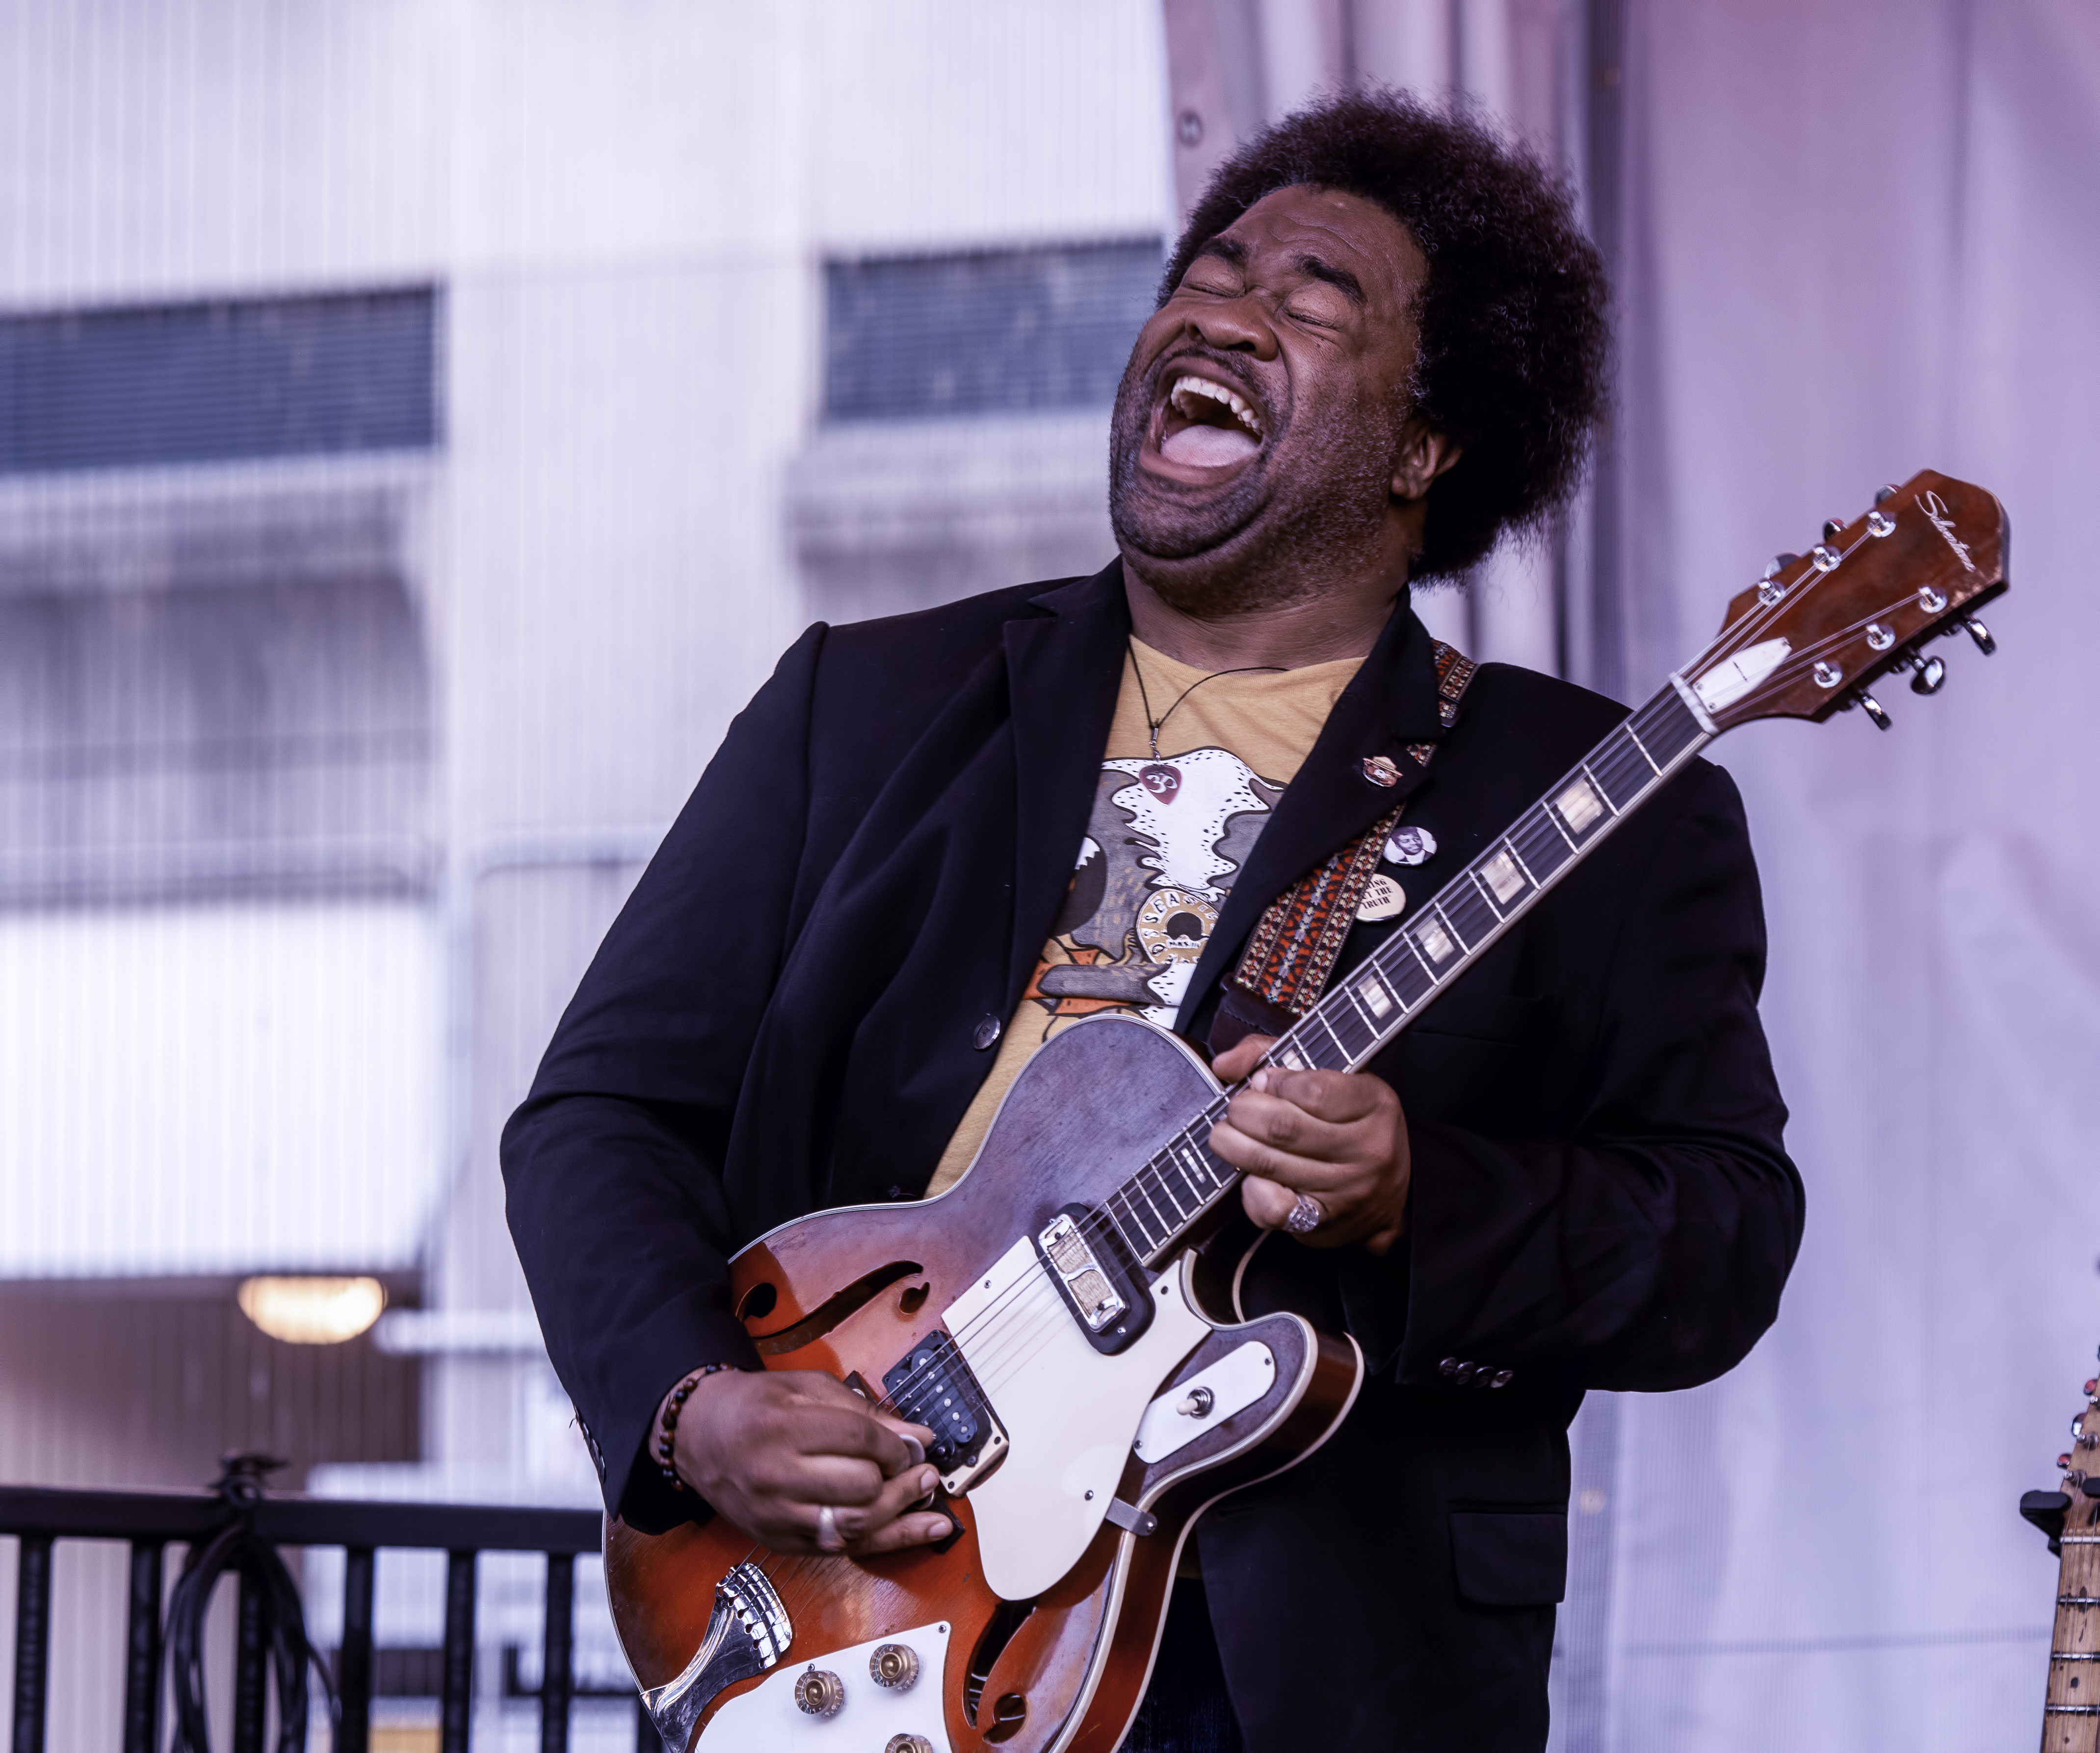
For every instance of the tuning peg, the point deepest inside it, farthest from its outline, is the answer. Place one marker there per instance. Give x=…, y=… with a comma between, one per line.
x=1873, y=709
x=1780, y=562
x=1931, y=675
x=1883, y=495
x=1979, y=633
x=1832, y=528
x=2093, y=1387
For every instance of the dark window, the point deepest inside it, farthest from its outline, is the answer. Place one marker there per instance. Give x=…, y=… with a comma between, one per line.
x=988, y=332
x=207, y=382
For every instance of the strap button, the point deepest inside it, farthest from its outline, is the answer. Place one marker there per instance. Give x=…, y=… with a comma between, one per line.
x=985, y=1034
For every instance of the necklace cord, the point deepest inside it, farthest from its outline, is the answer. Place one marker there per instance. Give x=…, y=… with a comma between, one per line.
x=1155, y=726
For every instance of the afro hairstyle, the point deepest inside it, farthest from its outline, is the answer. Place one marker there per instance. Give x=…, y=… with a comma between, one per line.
x=1511, y=366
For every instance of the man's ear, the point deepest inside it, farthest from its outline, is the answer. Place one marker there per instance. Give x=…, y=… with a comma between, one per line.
x=1424, y=454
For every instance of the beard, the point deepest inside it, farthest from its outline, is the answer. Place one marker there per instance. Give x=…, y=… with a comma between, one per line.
x=1310, y=507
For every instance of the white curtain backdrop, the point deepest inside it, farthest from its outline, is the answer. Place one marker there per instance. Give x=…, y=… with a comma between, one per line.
x=1864, y=238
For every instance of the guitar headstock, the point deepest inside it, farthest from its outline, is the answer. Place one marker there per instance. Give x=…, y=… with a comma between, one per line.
x=1807, y=638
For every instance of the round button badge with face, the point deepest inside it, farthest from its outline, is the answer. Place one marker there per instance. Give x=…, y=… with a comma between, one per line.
x=1410, y=845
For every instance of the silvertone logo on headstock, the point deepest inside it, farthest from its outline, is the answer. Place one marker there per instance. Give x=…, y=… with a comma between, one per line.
x=1935, y=509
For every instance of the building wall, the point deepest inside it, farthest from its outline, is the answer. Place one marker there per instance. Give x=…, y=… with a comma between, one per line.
x=625, y=209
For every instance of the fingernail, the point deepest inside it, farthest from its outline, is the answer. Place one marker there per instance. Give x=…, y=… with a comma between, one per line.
x=1260, y=1081
x=943, y=1527
x=929, y=1479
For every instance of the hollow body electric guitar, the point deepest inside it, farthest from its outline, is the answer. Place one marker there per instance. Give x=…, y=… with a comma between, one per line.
x=1090, y=1383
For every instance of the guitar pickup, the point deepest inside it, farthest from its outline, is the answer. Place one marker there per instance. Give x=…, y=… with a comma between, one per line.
x=1100, y=1288
x=934, y=1387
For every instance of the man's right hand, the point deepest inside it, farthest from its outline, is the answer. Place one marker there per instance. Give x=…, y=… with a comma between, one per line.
x=769, y=1449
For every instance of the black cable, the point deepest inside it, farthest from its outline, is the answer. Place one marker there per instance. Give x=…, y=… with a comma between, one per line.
x=287, y=1653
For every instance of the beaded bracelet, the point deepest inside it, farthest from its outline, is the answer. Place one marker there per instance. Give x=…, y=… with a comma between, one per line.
x=667, y=1428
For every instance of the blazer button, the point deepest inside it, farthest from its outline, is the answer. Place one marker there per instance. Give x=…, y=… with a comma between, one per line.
x=1467, y=1372
x=985, y=1034
x=1502, y=1378
x=1449, y=1367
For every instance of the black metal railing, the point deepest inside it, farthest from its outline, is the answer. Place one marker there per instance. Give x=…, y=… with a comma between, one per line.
x=153, y=1521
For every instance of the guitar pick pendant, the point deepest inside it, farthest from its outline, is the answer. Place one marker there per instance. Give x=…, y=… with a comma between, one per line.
x=1384, y=898
x=1162, y=781
x=1410, y=845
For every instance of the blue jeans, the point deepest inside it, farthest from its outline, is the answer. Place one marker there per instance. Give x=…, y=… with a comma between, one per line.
x=1185, y=1709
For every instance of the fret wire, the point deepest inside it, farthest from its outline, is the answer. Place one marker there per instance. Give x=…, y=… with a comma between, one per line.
x=1108, y=1211
x=1598, y=786
x=1167, y=1187
x=1315, y=1017
x=1143, y=1229
x=1408, y=938
x=1457, y=937
x=1642, y=748
x=1221, y=1173
x=1552, y=814
x=1509, y=844
x=1547, y=853
x=1166, y=1229
x=1356, y=999
x=1480, y=882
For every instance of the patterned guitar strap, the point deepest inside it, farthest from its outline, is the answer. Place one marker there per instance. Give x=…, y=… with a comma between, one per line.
x=1294, y=947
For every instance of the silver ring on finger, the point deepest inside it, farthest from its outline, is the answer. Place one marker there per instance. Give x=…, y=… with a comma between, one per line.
x=1306, y=1215
x=829, y=1540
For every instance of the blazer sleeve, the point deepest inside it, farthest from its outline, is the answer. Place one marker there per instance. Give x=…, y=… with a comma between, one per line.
x=1647, y=1248
x=611, y=1167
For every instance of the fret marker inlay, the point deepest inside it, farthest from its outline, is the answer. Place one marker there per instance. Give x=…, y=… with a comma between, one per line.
x=1579, y=805
x=1503, y=877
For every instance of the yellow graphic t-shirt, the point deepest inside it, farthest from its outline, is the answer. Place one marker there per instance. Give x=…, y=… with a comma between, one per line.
x=1165, y=841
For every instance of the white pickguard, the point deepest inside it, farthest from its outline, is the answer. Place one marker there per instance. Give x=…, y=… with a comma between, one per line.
x=766, y=1720
x=1071, y=1412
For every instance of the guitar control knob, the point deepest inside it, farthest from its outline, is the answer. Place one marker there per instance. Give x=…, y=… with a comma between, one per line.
x=1931, y=675
x=908, y=1744
x=819, y=1692
x=894, y=1665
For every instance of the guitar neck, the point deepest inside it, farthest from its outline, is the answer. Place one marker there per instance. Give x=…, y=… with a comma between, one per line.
x=2071, y=1717
x=1164, y=1199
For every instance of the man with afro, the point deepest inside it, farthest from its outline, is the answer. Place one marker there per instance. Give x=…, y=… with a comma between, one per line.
x=932, y=842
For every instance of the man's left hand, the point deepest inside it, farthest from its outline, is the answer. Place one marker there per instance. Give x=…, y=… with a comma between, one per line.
x=1338, y=1138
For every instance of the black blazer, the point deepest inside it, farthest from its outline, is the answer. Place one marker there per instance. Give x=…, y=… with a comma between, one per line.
x=783, y=1019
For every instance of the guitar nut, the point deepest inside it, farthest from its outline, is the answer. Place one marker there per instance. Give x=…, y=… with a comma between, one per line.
x=893, y=1666
x=819, y=1692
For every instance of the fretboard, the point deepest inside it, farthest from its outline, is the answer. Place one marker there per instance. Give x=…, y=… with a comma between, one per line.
x=1443, y=937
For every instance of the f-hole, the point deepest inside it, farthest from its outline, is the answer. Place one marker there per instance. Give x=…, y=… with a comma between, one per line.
x=1010, y=1709
x=913, y=1300
x=835, y=1308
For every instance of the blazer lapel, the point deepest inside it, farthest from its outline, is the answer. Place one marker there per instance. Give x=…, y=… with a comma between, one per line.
x=1390, y=703
x=1063, y=670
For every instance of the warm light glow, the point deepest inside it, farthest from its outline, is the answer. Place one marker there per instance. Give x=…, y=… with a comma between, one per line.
x=313, y=1311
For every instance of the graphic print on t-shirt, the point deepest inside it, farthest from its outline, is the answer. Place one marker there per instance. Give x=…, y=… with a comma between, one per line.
x=1164, y=842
